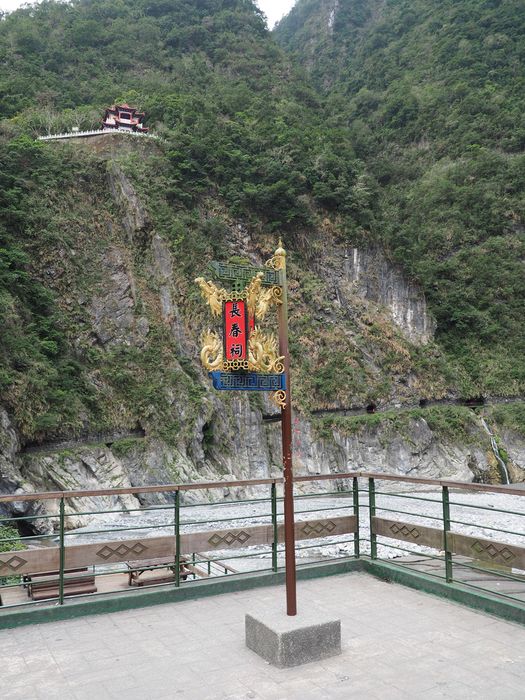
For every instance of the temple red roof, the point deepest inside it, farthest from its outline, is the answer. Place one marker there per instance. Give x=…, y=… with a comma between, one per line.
x=124, y=118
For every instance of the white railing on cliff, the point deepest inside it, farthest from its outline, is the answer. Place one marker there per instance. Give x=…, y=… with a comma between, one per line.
x=98, y=132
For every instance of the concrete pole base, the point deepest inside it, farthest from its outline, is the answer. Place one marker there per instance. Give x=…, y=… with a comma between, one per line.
x=291, y=641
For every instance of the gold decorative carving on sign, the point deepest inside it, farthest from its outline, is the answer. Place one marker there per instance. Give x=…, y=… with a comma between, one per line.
x=211, y=353
x=278, y=261
x=268, y=298
x=212, y=294
x=215, y=296
x=263, y=353
x=235, y=365
x=279, y=398
x=262, y=357
x=253, y=291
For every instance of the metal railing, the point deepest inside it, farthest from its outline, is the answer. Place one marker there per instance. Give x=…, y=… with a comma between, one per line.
x=460, y=533
x=95, y=132
x=452, y=531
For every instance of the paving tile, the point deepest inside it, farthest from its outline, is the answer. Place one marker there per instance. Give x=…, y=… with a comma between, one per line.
x=23, y=692
x=90, y=695
x=266, y=689
x=52, y=691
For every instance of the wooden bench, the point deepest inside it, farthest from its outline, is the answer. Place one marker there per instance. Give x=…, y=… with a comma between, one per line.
x=47, y=585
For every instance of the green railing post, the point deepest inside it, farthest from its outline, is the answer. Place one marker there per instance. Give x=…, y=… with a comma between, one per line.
x=372, y=504
x=177, y=538
x=274, y=523
x=62, y=554
x=446, y=530
x=355, y=495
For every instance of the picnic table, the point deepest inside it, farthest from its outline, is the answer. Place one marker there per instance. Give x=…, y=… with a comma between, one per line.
x=137, y=569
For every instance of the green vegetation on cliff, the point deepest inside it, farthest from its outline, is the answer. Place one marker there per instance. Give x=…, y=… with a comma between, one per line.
x=40, y=377
x=238, y=121
x=434, y=96
x=452, y=424
x=509, y=417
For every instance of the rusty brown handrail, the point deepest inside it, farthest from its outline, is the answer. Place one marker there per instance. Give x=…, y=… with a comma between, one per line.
x=198, y=486
x=461, y=485
x=380, y=476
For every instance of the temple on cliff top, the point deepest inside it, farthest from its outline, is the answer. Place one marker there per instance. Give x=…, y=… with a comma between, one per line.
x=124, y=118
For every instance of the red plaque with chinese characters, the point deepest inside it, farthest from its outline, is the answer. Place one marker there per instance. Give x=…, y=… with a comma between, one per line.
x=235, y=331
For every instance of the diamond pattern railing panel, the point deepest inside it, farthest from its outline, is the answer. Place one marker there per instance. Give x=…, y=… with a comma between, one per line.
x=408, y=532
x=491, y=551
x=48, y=558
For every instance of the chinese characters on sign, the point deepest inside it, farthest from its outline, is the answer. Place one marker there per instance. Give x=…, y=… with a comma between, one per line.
x=235, y=331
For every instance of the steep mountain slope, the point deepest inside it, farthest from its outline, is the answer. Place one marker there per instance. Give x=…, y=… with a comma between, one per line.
x=433, y=94
x=101, y=239
x=245, y=152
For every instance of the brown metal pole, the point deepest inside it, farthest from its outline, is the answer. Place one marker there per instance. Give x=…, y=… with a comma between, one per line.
x=286, y=427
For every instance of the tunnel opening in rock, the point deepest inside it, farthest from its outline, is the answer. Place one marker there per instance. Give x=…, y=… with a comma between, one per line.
x=473, y=402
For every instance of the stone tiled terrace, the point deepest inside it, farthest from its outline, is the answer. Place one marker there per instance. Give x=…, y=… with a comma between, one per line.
x=397, y=643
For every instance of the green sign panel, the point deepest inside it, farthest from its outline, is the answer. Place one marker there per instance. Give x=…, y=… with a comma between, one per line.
x=244, y=273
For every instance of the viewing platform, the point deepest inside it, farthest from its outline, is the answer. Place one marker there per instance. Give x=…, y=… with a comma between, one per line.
x=149, y=601
x=398, y=644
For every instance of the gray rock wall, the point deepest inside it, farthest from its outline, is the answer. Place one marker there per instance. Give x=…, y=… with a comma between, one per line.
x=369, y=275
x=231, y=443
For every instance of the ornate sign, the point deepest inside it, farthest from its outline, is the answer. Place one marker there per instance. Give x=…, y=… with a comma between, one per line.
x=247, y=358
x=258, y=351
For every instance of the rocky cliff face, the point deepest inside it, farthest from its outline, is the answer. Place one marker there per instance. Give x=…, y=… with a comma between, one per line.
x=514, y=444
x=9, y=449
x=239, y=447
x=11, y=479
x=367, y=274
x=374, y=278
x=415, y=451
